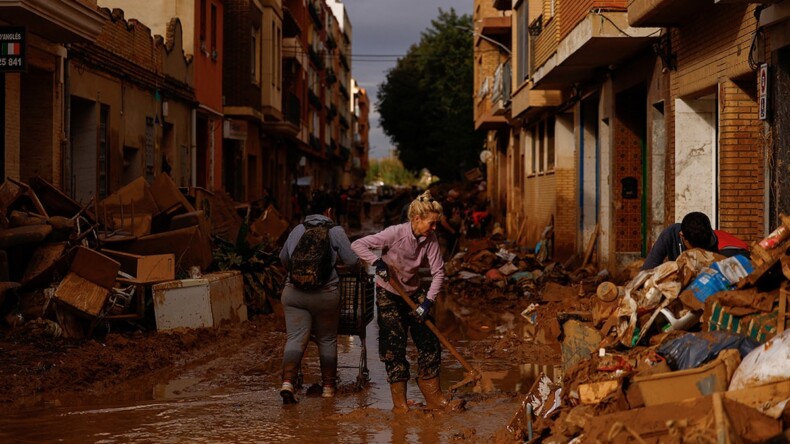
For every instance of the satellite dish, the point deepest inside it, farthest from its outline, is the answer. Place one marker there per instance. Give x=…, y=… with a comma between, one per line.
x=486, y=155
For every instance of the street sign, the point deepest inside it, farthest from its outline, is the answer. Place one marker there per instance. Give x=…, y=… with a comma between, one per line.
x=12, y=49
x=762, y=90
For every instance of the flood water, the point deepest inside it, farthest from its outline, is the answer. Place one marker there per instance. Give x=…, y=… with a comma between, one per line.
x=236, y=399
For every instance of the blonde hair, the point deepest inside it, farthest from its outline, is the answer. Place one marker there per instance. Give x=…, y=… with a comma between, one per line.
x=423, y=205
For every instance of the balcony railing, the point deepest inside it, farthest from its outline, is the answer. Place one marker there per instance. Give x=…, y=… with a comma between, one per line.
x=315, y=15
x=314, y=99
x=292, y=108
x=316, y=57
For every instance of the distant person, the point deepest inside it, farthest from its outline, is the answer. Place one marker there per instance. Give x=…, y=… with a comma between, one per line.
x=694, y=231
x=313, y=311
x=450, y=223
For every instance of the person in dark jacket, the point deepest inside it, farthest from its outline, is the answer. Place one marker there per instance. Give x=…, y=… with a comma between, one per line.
x=314, y=312
x=694, y=231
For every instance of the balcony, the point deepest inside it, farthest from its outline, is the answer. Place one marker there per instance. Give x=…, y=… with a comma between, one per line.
x=317, y=57
x=344, y=91
x=61, y=21
x=662, y=12
x=495, y=26
x=594, y=44
x=503, y=5
x=493, y=98
x=344, y=61
x=315, y=14
x=314, y=99
x=292, y=109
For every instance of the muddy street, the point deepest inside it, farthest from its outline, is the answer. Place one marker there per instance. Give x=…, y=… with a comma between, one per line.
x=231, y=394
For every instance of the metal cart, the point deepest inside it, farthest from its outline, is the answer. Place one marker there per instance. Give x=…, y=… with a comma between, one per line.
x=357, y=294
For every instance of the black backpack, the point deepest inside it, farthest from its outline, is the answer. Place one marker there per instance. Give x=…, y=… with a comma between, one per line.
x=311, y=261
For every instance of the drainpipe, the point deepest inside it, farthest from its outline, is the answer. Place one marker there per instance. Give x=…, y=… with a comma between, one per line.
x=66, y=178
x=211, y=152
x=193, y=149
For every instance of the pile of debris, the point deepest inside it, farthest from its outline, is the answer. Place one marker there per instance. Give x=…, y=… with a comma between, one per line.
x=151, y=254
x=694, y=348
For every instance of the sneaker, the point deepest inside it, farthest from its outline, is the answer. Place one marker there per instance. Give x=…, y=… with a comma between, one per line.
x=287, y=393
x=329, y=392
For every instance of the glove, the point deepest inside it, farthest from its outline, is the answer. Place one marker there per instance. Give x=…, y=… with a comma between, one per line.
x=421, y=312
x=381, y=270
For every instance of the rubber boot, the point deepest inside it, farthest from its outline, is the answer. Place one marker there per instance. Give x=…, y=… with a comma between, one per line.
x=432, y=392
x=398, y=390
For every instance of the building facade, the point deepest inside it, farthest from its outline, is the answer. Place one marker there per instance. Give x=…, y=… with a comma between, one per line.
x=33, y=96
x=623, y=116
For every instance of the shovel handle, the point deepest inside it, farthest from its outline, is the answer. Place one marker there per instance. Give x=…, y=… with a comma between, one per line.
x=399, y=288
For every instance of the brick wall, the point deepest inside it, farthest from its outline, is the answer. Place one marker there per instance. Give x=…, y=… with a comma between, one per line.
x=565, y=219
x=710, y=52
x=741, y=187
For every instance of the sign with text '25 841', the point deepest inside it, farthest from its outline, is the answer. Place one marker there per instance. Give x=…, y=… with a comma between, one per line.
x=12, y=49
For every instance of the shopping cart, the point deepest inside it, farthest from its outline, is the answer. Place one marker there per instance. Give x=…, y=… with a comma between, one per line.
x=356, y=311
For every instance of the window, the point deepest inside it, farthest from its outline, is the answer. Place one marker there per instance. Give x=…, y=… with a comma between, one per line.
x=541, y=147
x=255, y=54
x=278, y=59
x=149, y=149
x=104, y=150
x=543, y=152
x=522, y=17
x=203, y=24
x=213, y=30
x=550, y=124
x=533, y=133
x=273, y=62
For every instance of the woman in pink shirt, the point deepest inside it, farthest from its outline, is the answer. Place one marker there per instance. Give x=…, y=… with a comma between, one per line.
x=405, y=248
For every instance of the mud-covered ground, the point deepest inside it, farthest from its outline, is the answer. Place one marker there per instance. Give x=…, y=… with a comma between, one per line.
x=37, y=369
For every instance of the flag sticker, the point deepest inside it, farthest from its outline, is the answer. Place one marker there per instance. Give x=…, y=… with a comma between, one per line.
x=11, y=49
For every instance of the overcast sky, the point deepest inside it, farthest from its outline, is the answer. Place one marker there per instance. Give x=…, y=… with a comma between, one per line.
x=388, y=27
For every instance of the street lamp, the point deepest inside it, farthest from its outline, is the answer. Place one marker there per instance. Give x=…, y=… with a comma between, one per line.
x=488, y=39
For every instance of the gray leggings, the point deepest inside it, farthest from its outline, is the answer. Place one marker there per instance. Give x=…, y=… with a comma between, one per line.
x=307, y=313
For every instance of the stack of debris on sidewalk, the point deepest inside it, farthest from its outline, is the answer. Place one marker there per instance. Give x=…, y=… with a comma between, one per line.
x=695, y=349
x=151, y=254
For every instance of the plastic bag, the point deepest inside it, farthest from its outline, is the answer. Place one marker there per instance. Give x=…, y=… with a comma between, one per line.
x=720, y=276
x=694, y=349
x=767, y=363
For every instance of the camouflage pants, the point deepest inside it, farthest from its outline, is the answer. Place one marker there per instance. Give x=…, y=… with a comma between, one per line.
x=395, y=322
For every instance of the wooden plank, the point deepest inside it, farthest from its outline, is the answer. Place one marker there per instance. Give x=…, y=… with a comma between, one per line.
x=591, y=246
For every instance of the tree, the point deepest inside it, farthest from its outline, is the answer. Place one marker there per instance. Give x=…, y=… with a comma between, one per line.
x=390, y=171
x=425, y=101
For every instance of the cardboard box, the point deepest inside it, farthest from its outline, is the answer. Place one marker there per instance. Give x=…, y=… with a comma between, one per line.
x=203, y=302
x=676, y=386
x=87, y=285
x=146, y=269
x=580, y=341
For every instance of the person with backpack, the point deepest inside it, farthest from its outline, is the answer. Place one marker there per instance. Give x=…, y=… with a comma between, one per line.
x=311, y=298
x=405, y=247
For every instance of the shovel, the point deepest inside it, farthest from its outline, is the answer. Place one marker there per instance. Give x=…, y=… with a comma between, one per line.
x=472, y=375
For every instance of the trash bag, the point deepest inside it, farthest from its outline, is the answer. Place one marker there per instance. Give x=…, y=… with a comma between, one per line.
x=694, y=349
x=767, y=363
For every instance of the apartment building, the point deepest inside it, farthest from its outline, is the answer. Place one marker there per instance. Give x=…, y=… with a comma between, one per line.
x=34, y=130
x=623, y=116
x=199, y=162
x=130, y=108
